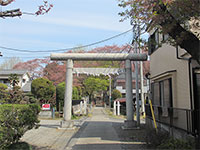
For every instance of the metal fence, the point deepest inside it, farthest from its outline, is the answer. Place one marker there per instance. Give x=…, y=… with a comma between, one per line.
x=184, y=119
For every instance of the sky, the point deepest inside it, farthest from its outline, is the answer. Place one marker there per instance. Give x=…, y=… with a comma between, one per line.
x=68, y=24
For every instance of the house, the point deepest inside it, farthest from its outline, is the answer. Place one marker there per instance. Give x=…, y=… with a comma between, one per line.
x=120, y=84
x=23, y=75
x=175, y=87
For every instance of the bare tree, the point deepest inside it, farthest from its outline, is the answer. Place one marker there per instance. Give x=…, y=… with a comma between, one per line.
x=10, y=63
x=9, y=13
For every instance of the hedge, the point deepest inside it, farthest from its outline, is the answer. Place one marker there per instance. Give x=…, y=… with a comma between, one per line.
x=15, y=120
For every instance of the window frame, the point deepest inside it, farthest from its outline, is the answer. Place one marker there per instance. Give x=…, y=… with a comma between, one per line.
x=153, y=42
x=161, y=97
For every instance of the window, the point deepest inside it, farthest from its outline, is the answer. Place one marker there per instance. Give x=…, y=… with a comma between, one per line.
x=197, y=90
x=196, y=99
x=6, y=81
x=24, y=80
x=162, y=93
x=156, y=39
x=155, y=94
x=153, y=42
x=165, y=37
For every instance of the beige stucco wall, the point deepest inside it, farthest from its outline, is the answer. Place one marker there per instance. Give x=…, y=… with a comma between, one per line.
x=163, y=60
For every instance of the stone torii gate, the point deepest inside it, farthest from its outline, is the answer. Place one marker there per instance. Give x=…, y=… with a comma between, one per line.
x=70, y=57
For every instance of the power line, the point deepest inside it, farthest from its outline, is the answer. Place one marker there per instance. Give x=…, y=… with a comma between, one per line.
x=41, y=57
x=28, y=13
x=45, y=57
x=65, y=49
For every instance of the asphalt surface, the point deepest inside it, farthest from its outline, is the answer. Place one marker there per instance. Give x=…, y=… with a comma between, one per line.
x=98, y=132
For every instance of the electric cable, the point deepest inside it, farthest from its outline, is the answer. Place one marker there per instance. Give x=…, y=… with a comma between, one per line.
x=65, y=49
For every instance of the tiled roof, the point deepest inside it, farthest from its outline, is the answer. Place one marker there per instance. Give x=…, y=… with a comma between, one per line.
x=122, y=76
x=12, y=71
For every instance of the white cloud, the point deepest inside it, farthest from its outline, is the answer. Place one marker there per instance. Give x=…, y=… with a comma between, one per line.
x=31, y=30
x=86, y=20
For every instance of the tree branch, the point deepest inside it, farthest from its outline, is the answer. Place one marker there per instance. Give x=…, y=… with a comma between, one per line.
x=4, y=3
x=185, y=39
x=11, y=13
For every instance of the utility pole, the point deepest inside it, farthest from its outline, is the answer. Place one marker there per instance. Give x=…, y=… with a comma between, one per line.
x=141, y=75
x=137, y=89
x=142, y=87
x=135, y=36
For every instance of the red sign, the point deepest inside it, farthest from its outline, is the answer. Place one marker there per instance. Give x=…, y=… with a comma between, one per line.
x=46, y=107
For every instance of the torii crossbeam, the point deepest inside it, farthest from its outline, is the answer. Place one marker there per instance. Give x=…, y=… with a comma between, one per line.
x=70, y=57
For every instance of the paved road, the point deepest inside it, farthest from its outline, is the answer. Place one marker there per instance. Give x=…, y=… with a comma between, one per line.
x=99, y=132
x=48, y=136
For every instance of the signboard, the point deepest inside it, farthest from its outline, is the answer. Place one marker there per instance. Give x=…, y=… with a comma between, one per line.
x=46, y=107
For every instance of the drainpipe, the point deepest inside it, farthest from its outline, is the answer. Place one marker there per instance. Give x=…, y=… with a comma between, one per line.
x=189, y=68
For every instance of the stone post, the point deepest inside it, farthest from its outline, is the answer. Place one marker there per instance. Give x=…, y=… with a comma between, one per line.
x=129, y=123
x=85, y=107
x=81, y=108
x=129, y=94
x=110, y=92
x=67, y=123
x=118, y=108
x=114, y=108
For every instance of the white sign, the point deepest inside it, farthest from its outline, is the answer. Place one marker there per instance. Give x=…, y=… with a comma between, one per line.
x=46, y=107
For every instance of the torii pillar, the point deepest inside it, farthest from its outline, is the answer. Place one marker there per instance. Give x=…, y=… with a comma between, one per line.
x=69, y=57
x=67, y=123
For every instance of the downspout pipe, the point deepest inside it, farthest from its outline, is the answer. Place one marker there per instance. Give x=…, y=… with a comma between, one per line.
x=189, y=68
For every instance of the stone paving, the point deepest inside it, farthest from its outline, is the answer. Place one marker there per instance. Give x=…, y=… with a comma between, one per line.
x=94, y=133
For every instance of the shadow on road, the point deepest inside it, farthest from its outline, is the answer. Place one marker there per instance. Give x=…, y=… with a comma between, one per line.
x=98, y=135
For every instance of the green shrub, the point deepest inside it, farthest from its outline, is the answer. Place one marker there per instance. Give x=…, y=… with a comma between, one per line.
x=60, y=94
x=162, y=140
x=116, y=94
x=176, y=144
x=15, y=120
x=43, y=89
x=28, y=98
x=155, y=138
x=15, y=95
x=3, y=86
x=76, y=93
x=20, y=146
x=4, y=96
